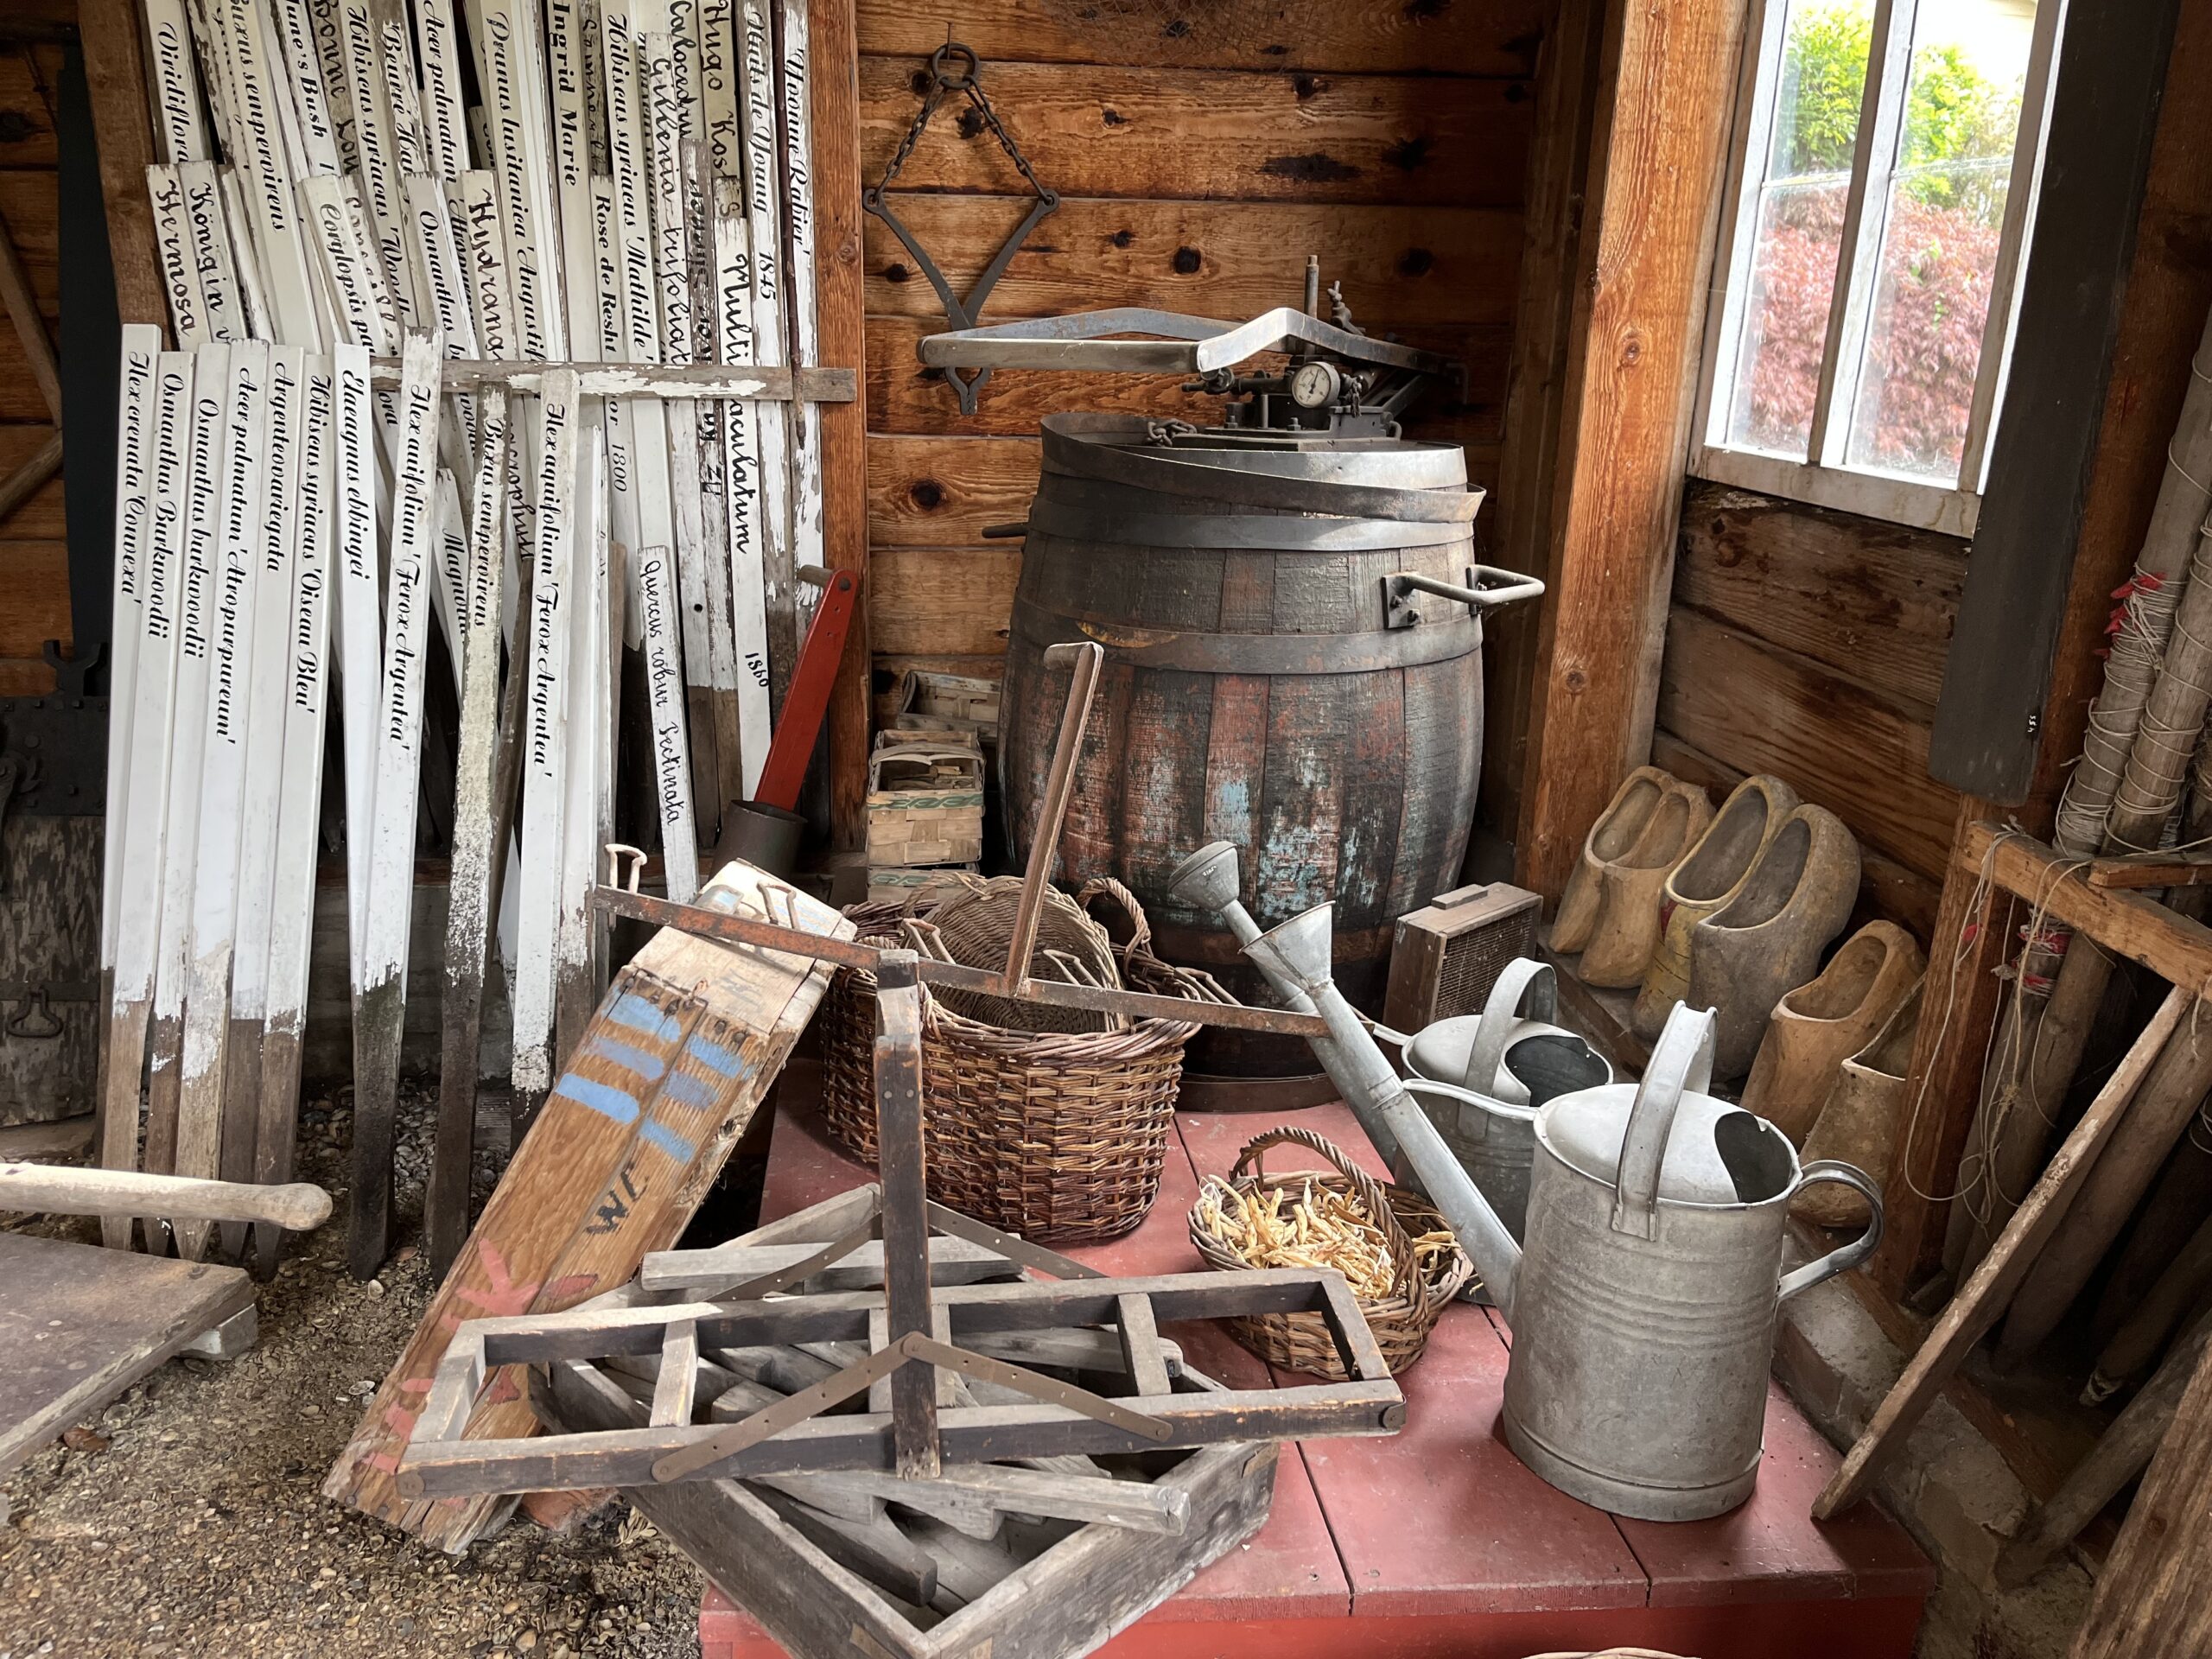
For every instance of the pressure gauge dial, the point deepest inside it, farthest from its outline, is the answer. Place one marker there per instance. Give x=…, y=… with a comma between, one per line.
x=1315, y=385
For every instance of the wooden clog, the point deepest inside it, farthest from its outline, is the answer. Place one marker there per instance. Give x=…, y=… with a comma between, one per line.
x=1816, y=1027
x=1712, y=873
x=1859, y=1124
x=1767, y=940
x=1627, y=925
x=1614, y=834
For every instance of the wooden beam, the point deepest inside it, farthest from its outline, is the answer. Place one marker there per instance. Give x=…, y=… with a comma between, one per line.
x=839, y=302
x=30, y=327
x=2175, y=948
x=115, y=71
x=2154, y=1600
x=1559, y=160
x=1976, y=1307
x=1667, y=100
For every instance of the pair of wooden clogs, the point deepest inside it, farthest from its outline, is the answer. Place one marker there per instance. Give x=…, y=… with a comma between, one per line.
x=1728, y=911
x=1830, y=1072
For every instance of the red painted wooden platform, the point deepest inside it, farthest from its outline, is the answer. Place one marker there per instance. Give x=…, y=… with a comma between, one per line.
x=1436, y=1540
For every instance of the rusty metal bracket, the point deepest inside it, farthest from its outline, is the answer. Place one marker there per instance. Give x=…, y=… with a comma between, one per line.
x=953, y=72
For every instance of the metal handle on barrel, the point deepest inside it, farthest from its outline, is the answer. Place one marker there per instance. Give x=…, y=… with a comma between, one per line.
x=1509, y=586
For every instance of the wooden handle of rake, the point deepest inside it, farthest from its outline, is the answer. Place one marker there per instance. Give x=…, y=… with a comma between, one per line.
x=57, y=1190
x=1086, y=655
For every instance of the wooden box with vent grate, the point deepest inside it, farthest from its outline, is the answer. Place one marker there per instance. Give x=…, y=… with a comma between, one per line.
x=1445, y=956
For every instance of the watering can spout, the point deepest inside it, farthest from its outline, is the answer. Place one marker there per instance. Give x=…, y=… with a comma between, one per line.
x=1297, y=954
x=1207, y=880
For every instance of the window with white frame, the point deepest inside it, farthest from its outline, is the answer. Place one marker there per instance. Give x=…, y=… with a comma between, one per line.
x=1881, y=191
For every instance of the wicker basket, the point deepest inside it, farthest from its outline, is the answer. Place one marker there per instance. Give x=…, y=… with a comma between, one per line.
x=1401, y=1322
x=1057, y=1135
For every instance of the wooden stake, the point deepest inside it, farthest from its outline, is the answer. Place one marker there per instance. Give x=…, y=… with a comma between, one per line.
x=545, y=750
x=469, y=904
x=140, y=732
x=222, y=797
x=763, y=209
x=360, y=629
x=299, y=803
x=380, y=1010
x=664, y=650
x=180, y=269
x=197, y=513
x=745, y=528
x=267, y=662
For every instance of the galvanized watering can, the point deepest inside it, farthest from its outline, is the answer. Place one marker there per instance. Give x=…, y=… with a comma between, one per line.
x=1644, y=1307
x=1482, y=1079
x=1644, y=1304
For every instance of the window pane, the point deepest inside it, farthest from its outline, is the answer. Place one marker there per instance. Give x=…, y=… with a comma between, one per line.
x=1801, y=184
x=1941, y=226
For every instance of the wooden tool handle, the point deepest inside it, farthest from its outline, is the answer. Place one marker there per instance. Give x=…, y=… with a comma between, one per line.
x=53, y=1189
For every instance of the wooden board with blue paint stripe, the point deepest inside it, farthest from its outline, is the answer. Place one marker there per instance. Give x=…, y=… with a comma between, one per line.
x=666, y=1078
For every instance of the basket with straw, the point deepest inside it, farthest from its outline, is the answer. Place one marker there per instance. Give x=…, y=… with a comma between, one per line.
x=1402, y=1261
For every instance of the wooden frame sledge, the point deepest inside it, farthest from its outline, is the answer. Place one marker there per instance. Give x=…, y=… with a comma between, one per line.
x=912, y=1330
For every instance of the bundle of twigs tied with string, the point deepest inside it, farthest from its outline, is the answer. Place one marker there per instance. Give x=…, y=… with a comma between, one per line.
x=1051, y=1122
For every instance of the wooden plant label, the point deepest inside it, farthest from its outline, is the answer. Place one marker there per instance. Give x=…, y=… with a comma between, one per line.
x=764, y=211
x=300, y=795
x=217, y=274
x=200, y=511
x=747, y=528
x=545, y=739
x=173, y=251
x=180, y=123
x=139, y=732
x=245, y=409
x=664, y=654
x=361, y=622
x=379, y=1012
x=136, y=438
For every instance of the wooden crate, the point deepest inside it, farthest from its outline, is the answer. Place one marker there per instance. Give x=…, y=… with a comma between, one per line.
x=1067, y=1600
x=962, y=702
x=925, y=801
x=897, y=884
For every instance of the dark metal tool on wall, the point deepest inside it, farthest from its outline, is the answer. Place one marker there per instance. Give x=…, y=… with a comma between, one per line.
x=953, y=72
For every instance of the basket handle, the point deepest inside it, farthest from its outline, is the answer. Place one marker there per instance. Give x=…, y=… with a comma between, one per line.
x=1141, y=940
x=1371, y=1195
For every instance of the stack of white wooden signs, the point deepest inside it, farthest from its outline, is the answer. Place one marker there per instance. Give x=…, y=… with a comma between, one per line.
x=494, y=319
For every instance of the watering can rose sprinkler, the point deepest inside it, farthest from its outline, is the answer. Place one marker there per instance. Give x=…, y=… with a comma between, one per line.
x=1644, y=1302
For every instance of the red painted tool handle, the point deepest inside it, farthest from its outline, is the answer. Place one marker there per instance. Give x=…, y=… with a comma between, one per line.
x=808, y=698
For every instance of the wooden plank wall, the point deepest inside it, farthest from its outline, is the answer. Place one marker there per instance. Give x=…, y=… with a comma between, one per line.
x=1203, y=147
x=1810, y=645
x=33, y=558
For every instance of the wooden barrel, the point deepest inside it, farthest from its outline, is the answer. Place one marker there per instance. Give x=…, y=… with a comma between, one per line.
x=1254, y=690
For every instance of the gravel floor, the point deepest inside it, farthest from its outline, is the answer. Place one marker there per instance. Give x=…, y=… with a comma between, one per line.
x=186, y=1520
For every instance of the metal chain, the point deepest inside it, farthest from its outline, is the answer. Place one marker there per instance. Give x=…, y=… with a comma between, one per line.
x=944, y=80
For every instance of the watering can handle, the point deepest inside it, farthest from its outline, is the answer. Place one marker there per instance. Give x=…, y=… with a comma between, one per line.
x=1682, y=1062
x=1843, y=1259
x=1524, y=979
